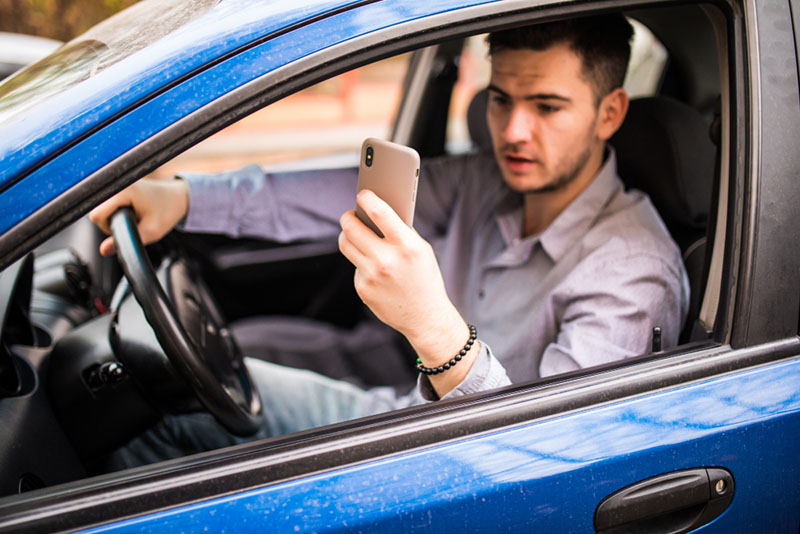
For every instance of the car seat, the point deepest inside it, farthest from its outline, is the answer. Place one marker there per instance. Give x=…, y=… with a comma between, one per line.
x=664, y=149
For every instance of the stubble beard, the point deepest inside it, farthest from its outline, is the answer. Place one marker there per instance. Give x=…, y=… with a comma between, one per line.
x=565, y=177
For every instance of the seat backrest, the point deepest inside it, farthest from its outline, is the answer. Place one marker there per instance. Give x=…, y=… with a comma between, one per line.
x=663, y=149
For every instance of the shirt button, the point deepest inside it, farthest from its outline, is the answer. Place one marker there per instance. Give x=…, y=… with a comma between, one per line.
x=481, y=294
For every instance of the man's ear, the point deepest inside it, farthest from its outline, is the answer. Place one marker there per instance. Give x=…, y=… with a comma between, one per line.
x=611, y=112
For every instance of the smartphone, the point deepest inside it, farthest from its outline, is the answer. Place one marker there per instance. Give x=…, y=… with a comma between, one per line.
x=391, y=171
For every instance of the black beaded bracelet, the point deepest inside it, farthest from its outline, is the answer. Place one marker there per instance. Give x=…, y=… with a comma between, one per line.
x=473, y=334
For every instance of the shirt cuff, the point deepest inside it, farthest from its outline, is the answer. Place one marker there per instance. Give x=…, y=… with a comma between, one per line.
x=486, y=373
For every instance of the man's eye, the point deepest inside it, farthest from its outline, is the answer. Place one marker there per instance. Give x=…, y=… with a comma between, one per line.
x=546, y=109
x=499, y=100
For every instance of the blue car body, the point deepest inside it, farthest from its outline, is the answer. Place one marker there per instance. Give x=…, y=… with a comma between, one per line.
x=533, y=457
x=515, y=481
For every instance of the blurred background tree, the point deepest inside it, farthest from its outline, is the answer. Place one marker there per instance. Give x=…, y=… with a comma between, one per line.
x=56, y=19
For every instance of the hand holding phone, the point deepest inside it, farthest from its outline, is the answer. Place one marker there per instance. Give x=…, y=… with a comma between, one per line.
x=391, y=171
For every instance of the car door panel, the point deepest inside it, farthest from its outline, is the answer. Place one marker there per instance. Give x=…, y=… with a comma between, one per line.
x=547, y=476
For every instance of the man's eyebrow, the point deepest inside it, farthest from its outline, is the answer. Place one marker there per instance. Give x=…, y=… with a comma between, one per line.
x=534, y=96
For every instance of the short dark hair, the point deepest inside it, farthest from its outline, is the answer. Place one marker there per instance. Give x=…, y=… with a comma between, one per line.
x=602, y=42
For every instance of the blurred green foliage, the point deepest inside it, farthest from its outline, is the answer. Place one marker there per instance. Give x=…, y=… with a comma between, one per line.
x=57, y=19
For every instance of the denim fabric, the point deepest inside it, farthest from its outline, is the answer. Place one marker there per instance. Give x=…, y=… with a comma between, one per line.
x=293, y=400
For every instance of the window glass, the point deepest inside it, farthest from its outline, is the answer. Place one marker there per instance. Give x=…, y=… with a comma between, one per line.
x=648, y=60
x=473, y=75
x=647, y=64
x=104, y=45
x=323, y=125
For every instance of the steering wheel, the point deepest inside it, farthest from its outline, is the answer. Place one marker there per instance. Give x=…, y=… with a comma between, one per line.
x=191, y=332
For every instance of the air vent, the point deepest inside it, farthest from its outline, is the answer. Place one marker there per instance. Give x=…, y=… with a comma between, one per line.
x=30, y=482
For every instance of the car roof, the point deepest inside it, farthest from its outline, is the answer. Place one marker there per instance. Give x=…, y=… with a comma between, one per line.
x=225, y=28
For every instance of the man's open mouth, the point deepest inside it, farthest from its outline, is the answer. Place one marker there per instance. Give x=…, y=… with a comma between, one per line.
x=519, y=164
x=517, y=158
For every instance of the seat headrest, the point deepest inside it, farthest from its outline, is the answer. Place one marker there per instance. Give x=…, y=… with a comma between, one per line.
x=476, y=122
x=664, y=149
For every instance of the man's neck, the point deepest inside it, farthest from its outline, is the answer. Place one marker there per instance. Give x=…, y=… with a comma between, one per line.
x=541, y=209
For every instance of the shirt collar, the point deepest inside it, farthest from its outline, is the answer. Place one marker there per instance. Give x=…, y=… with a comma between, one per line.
x=580, y=215
x=572, y=223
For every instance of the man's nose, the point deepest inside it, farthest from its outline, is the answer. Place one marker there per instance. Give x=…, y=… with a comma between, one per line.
x=519, y=127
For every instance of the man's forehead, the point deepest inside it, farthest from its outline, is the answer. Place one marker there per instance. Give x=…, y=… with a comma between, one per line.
x=528, y=66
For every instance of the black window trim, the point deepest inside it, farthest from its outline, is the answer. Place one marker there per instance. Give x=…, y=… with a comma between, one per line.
x=766, y=181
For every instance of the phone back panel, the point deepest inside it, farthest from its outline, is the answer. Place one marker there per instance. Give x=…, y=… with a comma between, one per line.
x=392, y=175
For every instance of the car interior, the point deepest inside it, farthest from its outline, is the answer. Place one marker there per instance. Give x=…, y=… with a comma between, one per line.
x=65, y=402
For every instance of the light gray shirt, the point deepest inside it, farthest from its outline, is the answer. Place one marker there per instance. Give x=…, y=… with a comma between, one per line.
x=586, y=291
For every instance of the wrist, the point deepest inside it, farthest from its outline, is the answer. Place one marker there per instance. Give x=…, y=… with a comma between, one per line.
x=438, y=343
x=463, y=353
x=450, y=377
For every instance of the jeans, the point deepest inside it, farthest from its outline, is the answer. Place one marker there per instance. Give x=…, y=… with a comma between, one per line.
x=292, y=399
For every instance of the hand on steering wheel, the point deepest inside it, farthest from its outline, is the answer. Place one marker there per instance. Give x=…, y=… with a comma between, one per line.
x=208, y=360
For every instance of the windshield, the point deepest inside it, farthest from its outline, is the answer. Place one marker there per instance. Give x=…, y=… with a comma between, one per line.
x=102, y=46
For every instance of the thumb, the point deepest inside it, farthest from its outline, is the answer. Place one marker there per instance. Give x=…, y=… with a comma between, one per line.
x=382, y=214
x=107, y=247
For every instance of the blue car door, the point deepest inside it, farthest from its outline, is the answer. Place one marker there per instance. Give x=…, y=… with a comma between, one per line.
x=708, y=452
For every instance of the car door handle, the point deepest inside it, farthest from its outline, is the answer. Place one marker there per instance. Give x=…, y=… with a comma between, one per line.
x=670, y=503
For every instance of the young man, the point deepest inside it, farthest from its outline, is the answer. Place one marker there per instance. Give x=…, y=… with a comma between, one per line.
x=539, y=245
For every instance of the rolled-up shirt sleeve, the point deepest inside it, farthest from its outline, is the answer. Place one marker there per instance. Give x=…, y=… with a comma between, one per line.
x=282, y=207
x=302, y=205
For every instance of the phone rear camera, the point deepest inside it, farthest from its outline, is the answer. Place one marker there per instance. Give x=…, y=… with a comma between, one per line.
x=368, y=157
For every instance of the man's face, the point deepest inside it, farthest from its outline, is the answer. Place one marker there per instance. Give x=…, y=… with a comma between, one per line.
x=542, y=116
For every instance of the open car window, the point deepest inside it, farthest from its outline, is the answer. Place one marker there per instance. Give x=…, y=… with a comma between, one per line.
x=321, y=126
x=306, y=130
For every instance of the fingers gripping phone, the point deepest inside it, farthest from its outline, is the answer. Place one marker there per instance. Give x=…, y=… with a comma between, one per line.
x=391, y=171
